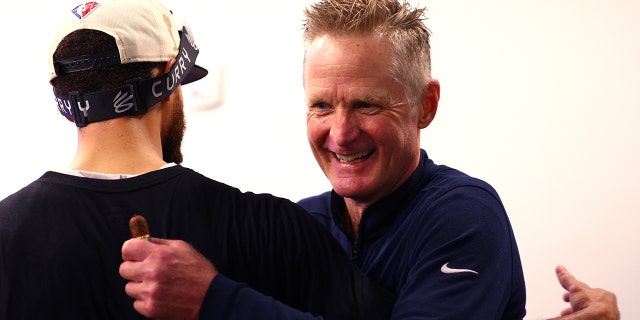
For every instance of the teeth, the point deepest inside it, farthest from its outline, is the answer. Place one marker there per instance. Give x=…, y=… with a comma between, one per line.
x=353, y=157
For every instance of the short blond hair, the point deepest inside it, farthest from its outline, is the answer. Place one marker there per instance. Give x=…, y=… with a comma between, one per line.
x=401, y=23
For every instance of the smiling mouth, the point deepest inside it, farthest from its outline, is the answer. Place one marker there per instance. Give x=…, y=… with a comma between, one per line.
x=354, y=157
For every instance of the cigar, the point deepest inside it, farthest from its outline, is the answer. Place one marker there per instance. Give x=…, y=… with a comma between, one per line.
x=139, y=228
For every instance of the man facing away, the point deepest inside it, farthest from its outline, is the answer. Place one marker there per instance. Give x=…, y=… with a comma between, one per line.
x=117, y=67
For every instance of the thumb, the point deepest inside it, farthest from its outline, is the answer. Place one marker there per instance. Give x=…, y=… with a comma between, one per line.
x=569, y=282
x=136, y=249
x=160, y=241
x=566, y=279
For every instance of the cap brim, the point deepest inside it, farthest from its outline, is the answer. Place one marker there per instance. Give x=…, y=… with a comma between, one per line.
x=195, y=74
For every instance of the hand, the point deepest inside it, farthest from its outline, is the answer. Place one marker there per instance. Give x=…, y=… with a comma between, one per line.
x=586, y=302
x=167, y=278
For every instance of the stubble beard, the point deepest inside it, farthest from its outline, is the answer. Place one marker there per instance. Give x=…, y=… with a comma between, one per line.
x=172, y=139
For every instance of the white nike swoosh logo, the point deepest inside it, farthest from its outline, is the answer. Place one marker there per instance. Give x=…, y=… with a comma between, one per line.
x=445, y=269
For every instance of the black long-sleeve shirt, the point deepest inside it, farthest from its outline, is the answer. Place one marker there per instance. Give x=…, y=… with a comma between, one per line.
x=61, y=239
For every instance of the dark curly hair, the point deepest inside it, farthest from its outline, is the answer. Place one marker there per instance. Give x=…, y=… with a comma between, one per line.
x=86, y=41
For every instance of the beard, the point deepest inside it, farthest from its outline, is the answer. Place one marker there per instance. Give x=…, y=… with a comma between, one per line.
x=172, y=137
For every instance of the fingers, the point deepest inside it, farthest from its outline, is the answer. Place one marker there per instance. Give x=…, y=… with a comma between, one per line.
x=135, y=249
x=568, y=281
x=561, y=269
x=138, y=256
x=134, y=252
x=566, y=311
x=564, y=277
x=168, y=279
x=141, y=307
x=141, y=303
x=586, y=302
x=164, y=242
x=133, y=289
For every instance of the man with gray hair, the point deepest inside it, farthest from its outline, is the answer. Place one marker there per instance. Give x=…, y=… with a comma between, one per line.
x=438, y=238
x=435, y=236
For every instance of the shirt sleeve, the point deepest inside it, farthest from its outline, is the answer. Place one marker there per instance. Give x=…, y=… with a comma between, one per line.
x=227, y=299
x=464, y=263
x=282, y=264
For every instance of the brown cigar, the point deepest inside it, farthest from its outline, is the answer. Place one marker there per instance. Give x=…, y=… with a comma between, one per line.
x=139, y=228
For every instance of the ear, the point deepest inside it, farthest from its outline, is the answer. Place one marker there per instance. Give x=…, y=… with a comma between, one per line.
x=430, y=98
x=167, y=69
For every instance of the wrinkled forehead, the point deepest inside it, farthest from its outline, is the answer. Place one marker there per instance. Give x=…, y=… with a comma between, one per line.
x=356, y=54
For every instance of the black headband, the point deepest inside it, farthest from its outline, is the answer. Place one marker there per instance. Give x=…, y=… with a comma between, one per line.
x=133, y=98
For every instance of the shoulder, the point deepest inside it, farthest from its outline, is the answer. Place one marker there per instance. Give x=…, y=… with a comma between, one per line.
x=319, y=203
x=447, y=185
x=318, y=206
x=29, y=194
x=450, y=198
x=445, y=178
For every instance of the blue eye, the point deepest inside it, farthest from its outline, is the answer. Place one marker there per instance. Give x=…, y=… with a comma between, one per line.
x=320, y=108
x=366, y=107
x=363, y=105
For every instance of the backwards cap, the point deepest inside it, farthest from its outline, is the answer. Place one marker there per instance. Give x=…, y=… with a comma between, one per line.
x=144, y=31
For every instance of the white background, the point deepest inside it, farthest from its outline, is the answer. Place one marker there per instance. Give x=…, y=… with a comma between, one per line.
x=541, y=98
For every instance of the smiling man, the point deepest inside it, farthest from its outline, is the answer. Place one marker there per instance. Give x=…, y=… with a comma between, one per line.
x=438, y=238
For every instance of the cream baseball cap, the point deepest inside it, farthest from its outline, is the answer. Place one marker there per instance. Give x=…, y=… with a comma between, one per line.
x=144, y=30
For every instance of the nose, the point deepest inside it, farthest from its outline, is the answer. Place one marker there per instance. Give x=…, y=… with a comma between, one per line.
x=344, y=128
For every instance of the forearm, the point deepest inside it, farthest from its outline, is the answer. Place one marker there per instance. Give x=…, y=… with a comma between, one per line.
x=228, y=299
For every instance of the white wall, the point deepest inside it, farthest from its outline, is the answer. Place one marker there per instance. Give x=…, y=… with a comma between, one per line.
x=541, y=98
